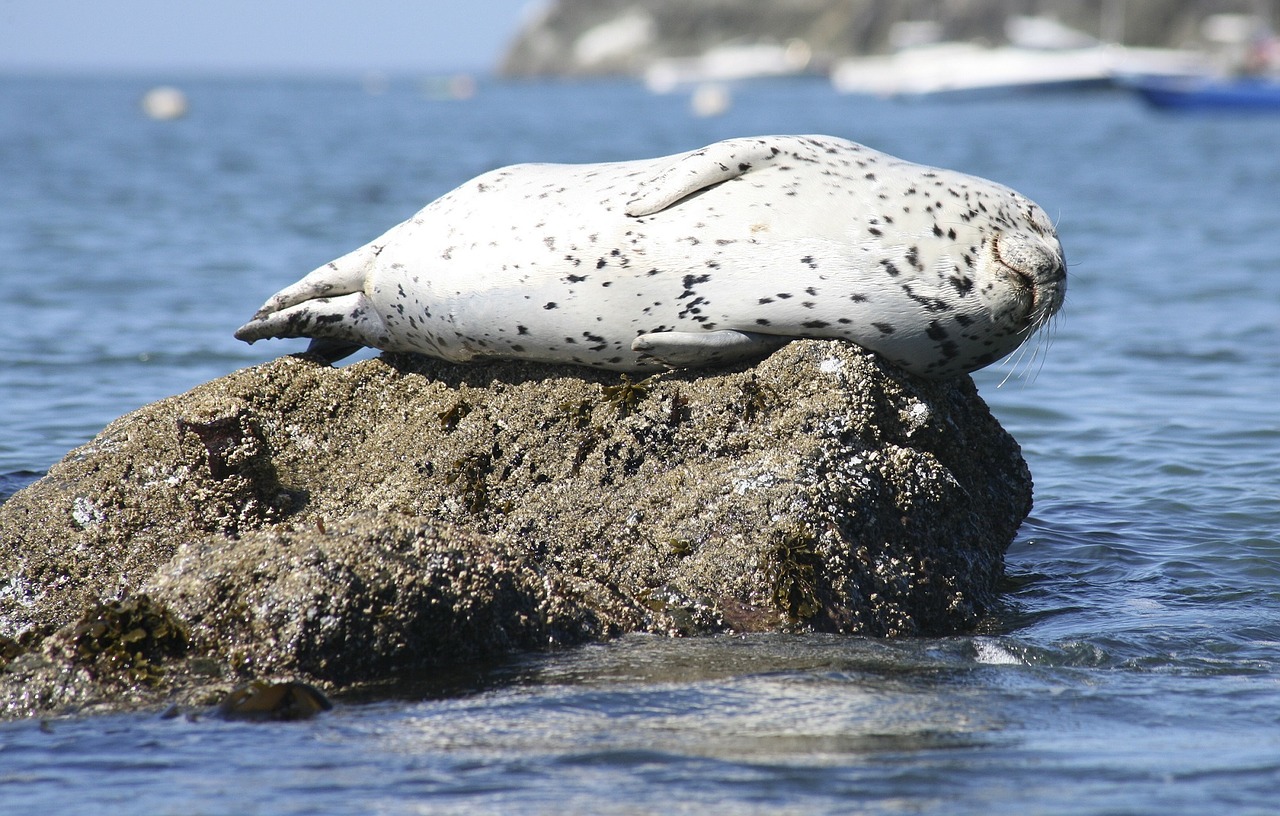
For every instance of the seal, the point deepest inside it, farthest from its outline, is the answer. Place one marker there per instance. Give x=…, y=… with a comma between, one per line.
x=705, y=258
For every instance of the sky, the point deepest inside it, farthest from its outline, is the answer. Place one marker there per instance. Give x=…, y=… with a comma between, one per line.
x=257, y=36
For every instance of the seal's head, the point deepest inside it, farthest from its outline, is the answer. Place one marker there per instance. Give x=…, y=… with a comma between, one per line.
x=973, y=285
x=1027, y=279
x=1021, y=273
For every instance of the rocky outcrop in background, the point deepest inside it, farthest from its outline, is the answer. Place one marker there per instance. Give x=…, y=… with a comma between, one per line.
x=603, y=37
x=340, y=525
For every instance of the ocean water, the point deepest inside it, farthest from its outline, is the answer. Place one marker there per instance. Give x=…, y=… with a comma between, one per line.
x=1134, y=667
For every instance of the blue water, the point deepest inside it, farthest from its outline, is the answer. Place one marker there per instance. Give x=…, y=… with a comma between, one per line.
x=1135, y=668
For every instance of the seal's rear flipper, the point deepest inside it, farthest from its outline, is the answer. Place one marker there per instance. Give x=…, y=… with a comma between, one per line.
x=336, y=322
x=341, y=277
x=707, y=349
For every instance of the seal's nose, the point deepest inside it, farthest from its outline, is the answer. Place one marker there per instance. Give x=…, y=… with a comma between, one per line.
x=1038, y=264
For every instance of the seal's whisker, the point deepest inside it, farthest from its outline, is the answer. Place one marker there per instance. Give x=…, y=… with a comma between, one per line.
x=1021, y=363
x=1044, y=340
x=1006, y=377
x=1043, y=357
x=1015, y=361
x=1030, y=355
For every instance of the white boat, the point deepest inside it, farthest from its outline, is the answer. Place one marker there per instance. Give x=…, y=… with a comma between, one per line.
x=945, y=68
x=1044, y=55
x=727, y=64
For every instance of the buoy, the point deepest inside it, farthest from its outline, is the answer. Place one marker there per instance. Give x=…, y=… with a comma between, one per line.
x=452, y=88
x=710, y=100
x=164, y=103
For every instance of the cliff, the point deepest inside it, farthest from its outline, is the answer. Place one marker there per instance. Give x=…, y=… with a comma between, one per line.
x=603, y=37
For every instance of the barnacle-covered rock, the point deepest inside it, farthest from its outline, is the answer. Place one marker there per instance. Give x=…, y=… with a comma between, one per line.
x=339, y=525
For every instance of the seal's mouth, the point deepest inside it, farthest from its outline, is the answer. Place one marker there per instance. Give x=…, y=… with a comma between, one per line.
x=1036, y=274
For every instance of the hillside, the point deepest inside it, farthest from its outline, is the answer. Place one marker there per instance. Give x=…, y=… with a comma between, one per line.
x=603, y=37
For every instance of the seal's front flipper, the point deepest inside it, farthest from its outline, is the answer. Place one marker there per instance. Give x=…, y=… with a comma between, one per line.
x=706, y=349
x=690, y=172
x=342, y=321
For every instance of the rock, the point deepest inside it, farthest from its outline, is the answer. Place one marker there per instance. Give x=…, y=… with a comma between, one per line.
x=338, y=525
x=259, y=701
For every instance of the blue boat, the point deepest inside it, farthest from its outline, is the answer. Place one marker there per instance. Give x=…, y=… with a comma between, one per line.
x=1208, y=93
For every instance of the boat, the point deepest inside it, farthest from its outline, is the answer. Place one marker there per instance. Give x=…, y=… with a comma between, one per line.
x=964, y=68
x=728, y=64
x=1242, y=93
x=1244, y=74
x=1042, y=55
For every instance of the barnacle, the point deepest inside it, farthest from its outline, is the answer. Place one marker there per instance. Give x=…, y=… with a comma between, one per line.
x=754, y=398
x=626, y=396
x=470, y=474
x=129, y=638
x=451, y=416
x=793, y=564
